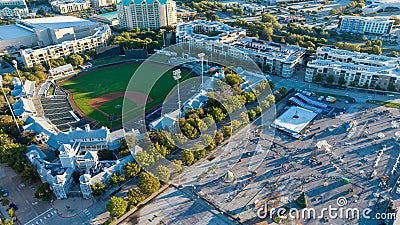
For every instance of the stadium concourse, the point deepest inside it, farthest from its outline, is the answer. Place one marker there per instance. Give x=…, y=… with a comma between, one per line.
x=59, y=111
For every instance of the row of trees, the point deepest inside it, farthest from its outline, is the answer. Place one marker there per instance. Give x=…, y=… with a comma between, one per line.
x=137, y=39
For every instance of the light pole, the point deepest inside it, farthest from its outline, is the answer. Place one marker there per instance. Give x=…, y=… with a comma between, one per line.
x=201, y=56
x=163, y=36
x=9, y=106
x=177, y=76
x=15, y=64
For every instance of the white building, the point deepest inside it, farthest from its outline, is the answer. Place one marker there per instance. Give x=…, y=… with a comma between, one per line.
x=277, y=59
x=61, y=71
x=102, y=3
x=41, y=32
x=377, y=5
x=383, y=77
x=69, y=6
x=13, y=9
x=32, y=57
x=24, y=108
x=294, y=120
x=202, y=30
x=365, y=25
x=144, y=14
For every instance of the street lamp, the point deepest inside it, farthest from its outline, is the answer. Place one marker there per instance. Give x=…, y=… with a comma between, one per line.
x=15, y=64
x=201, y=56
x=177, y=76
x=9, y=106
x=163, y=35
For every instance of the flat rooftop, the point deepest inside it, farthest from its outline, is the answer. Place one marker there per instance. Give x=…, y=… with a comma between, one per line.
x=57, y=22
x=13, y=31
x=294, y=120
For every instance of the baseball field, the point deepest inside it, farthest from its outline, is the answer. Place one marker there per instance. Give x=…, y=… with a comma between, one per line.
x=99, y=94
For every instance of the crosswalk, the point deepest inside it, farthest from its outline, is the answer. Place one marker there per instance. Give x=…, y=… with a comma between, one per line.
x=41, y=219
x=89, y=215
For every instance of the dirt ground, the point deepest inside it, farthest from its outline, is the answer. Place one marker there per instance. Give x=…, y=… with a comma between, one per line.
x=140, y=99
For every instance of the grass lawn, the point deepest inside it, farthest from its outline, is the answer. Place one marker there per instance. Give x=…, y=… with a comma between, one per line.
x=395, y=105
x=109, y=107
x=116, y=78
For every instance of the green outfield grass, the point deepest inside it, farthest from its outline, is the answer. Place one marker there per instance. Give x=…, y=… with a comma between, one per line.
x=115, y=79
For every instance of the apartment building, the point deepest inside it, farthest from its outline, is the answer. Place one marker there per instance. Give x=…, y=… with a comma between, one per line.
x=385, y=78
x=70, y=6
x=355, y=69
x=145, y=14
x=32, y=57
x=13, y=9
x=365, y=25
x=275, y=58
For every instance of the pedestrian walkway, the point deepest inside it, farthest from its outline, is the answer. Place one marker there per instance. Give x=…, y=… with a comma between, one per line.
x=41, y=219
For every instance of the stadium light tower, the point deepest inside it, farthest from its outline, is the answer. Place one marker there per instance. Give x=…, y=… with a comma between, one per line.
x=177, y=76
x=15, y=64
x=9, y=106
x=201, y=56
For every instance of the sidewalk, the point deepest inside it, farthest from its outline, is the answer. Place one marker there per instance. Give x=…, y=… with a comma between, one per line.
x=72, y=206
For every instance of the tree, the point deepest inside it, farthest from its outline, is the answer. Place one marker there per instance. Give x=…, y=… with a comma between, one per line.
x=217, y=114
x=98, y=189
x=135, y=197
x=176, y=165
x=271, y=84
x=376, y=50
x=270, y=98
x=188, y=130
x=131, y=169
x=6, y=222
x=148, y=184
x=144, y=159
x=11, y=212
x=208, y=141
x=244, y=118
x=396, y=20
x=199, y=151
x=265, y=104
x=233, y=80
x=235, y=124
x=116, y=179
x=227, y=131
x=117, y=206
x=318, y=78
x=252, y=114
x=75, y=60
x=330, y=79
x=283, y=91
x=163, y=173
x=43, y=192
x=341, y=80
x=187, y=157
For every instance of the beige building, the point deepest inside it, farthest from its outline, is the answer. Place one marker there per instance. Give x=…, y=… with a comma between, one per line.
x=70, y=6
x=144, y=14
x=32, y=57
x=13, y=9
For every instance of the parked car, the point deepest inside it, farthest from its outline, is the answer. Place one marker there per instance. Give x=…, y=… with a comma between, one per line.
x=4, y=193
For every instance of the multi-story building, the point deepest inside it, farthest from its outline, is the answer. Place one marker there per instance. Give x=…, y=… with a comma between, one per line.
x=32, y=57
x=144, y=14
x=70, y=6
x=355, y=75
x=338, y=55
x=356, y=69
x=77, y=152
x=41, y=32
x=365, y=25
x=277, y=59
x=202, y=30
x=102, y=3
x=13, y=9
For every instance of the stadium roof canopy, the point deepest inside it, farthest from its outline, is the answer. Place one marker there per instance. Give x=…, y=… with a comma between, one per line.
x=294, y=120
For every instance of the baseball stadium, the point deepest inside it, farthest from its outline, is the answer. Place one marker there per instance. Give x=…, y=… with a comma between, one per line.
x=99, y=94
